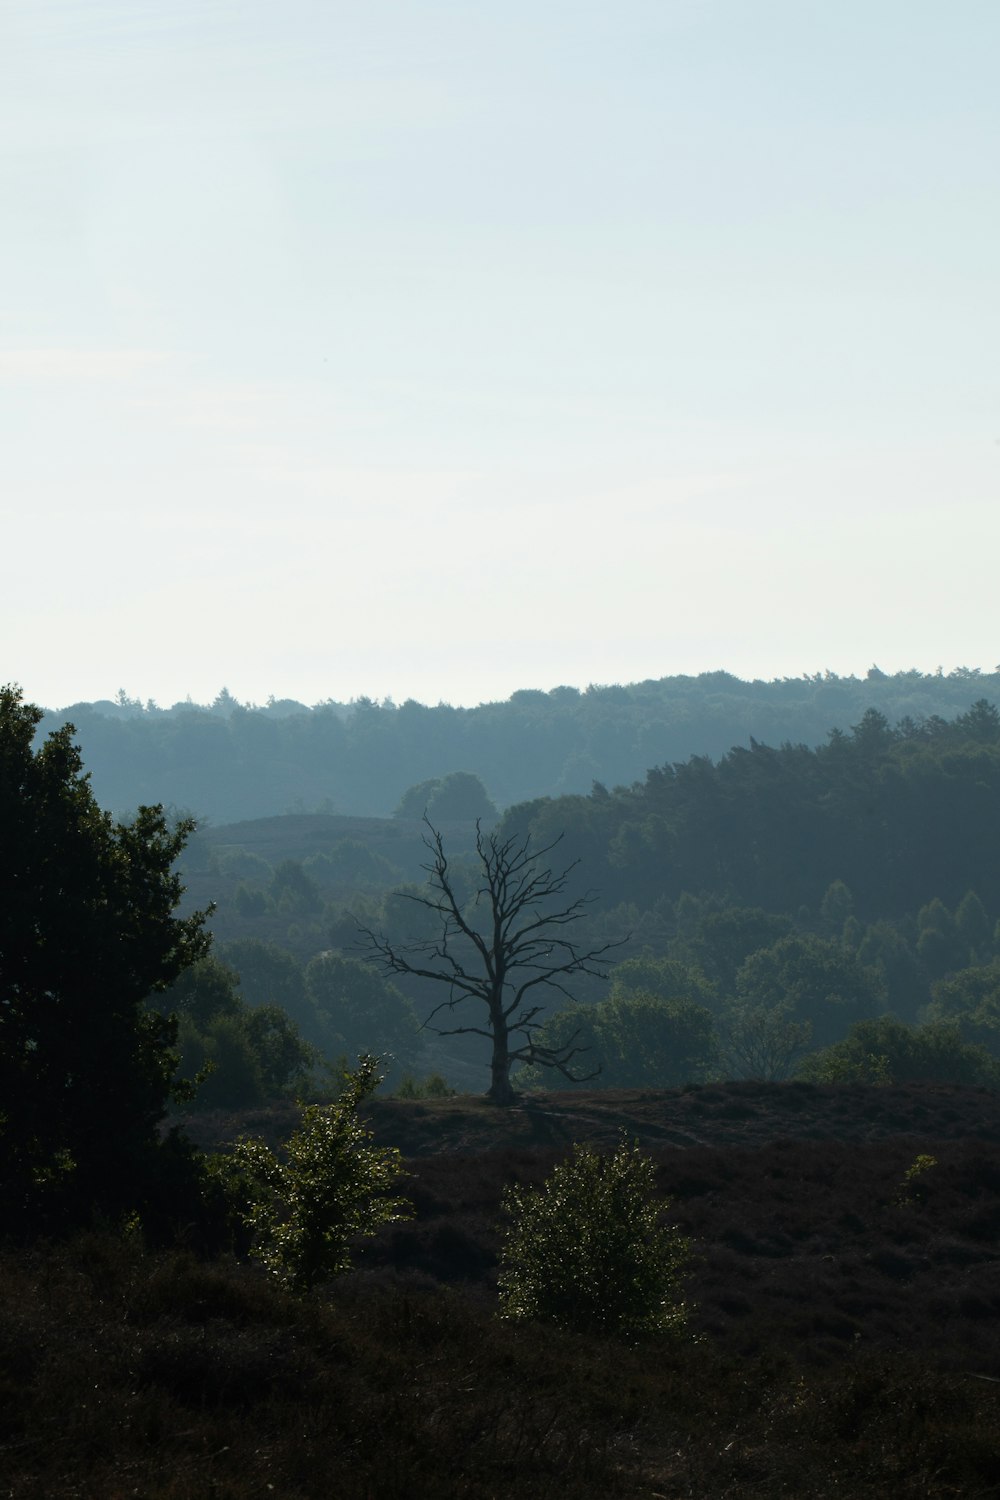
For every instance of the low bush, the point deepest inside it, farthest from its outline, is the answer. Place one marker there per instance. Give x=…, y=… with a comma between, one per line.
x=332, y=1185
x=587, y=1249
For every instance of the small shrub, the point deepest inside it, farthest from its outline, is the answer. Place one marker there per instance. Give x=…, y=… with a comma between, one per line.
x=432, y=1087
x=333, y=1186
x=911, y=1188
x=586, y=1250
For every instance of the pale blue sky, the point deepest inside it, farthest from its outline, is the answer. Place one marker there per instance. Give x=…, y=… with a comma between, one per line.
x=438, y=349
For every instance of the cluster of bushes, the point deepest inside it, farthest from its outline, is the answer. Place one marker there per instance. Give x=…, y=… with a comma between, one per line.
x=254, y=1024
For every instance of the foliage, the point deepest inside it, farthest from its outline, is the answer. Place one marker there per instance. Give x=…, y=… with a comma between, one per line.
x=973, y=927
x=648, y=1042
x=351, y=863
x=820, y=983
x=332, y=1186
x=205, y=991
x=237, y=1061
x=504, y=951
x=761, y=1042
x=235, y=762
x=724, y=940
x=434, y=1086
x=884, y=948
x=88, y=928
x=639, y=1040
x=269, y=975
x=295, y=890
x=886, y=1050
x=970, y=1000
x=286, y=1061
x=587, y=1250
x=836, y=908
x=575, y=1027
x=458, y=797
x=218, y=1059
x=238, y=1055
x=912, y=1188
x=665, y=978
x=357, y=1008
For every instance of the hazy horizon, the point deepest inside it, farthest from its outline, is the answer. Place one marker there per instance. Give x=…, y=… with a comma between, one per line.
x=474, y=700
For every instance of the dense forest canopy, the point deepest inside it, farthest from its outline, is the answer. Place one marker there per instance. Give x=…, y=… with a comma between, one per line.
x=777, y=895
x=775, y=899
x=231, y=761
x=900, y=814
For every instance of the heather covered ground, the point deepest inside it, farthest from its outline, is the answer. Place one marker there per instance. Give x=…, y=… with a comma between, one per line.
x=844, y=1322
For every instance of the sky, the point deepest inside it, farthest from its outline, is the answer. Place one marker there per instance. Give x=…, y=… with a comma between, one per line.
x=438, y=348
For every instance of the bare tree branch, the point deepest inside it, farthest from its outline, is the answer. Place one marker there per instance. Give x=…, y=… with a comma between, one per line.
x=504, y=961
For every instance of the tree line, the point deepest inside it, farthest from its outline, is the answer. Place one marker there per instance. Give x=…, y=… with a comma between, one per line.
x=229, y=761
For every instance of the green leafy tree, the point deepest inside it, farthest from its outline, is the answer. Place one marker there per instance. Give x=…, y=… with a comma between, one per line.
x=459, y=797
x=88, y=929
x=205, y=991
x=725, y=939
x=574, y=1029
x=269, y=975
x=358, y=1009
x=238, y=1055
x=221, y=1062
x=761, y=1042
x=886, y=1050
x=638, y=1040
x=940, y=947
x=285, y=1059
x=250, y=903
x=884, y=949
x=332, y=1186
x=350, y=862
x=970, y=1000
x=974, y=928
x=666, y=978
x=294, y=890
x=416, y=799
x=648, y=1042
x=588, y=1250
x=835, y=908
x=819, y=983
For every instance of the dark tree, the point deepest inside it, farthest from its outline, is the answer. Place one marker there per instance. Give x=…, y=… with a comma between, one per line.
x=500, y=953
x=88, y=930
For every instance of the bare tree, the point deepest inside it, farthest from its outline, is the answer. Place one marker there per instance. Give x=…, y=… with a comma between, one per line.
x=762, y=1042
x=500, y=953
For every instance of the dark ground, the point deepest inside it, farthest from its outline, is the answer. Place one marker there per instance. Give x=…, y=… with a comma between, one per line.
x=845, y=1319
x=804, y=1233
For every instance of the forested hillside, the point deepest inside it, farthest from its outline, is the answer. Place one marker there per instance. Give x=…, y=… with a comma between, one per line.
x=766, y=909
x=900, y=814
x=232, y=761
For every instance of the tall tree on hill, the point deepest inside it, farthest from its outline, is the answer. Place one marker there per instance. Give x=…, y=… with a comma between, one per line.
x=88, y=929
x=500, y=954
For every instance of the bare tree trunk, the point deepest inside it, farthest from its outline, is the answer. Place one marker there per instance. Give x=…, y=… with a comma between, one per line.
x=500, y=1090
